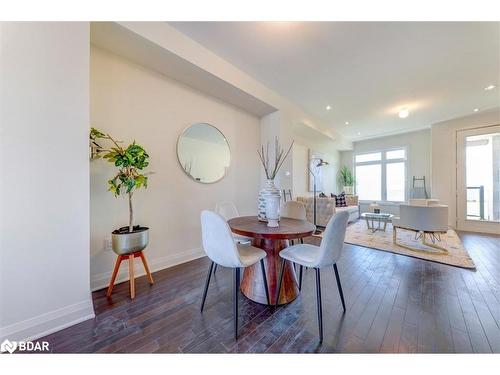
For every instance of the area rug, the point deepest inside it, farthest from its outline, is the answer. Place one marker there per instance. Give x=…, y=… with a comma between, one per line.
x=358, y=234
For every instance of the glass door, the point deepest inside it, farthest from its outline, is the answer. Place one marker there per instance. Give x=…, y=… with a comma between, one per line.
x=478, y=179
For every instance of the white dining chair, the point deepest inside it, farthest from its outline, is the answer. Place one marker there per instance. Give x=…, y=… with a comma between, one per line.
x=228, y=211
x=317, y=257
x=221, y=248
x=294, y=210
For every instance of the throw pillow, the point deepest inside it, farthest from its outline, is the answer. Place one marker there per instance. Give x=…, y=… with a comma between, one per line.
x=340, y=200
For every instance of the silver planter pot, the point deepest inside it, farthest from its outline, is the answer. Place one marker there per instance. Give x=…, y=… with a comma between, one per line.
x=124, y=242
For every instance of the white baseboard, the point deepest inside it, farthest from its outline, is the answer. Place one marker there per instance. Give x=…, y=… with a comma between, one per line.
x=53, y=321
x=45, y=324
x=101, y=280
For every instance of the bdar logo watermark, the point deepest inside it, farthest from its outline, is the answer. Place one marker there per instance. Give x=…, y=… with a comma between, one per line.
x=24, y=346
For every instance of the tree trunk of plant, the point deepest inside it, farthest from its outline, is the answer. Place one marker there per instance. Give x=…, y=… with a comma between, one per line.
x=131, y=214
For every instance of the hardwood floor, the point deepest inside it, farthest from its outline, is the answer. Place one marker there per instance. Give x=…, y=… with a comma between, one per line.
x=395, y=304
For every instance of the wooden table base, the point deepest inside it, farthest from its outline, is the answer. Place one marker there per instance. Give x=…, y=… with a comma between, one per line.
x=252, y=285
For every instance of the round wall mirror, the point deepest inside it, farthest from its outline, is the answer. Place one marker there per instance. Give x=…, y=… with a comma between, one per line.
x=203, y=153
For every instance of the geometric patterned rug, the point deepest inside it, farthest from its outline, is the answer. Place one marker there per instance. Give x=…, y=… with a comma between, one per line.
x=358, y=234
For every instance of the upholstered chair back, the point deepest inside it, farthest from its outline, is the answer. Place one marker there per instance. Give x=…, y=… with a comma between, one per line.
x=293, y=210
x=425, y=218
x=218, y=241
x=333, y=240
x=227, y=210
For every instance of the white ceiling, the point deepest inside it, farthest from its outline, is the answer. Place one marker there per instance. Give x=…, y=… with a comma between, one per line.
x=366, y=71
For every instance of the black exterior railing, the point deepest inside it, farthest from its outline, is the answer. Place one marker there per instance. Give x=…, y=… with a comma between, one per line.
x=478, y=191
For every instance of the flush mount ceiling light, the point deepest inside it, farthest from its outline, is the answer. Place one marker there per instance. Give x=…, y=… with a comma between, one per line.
x=476, y=109
x=328, y=107
x=347, y=122
x=403, y=113
x=490, y=87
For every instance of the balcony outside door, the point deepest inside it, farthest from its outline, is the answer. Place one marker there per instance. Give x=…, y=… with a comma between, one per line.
x=478, y=179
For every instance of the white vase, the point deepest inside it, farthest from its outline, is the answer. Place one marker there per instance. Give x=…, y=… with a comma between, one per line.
x=273, y=210
x=270, y=190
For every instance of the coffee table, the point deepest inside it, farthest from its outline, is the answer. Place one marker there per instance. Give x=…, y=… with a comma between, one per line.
x=371, y=218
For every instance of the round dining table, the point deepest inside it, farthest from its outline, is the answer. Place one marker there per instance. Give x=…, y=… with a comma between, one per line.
x=272, y=241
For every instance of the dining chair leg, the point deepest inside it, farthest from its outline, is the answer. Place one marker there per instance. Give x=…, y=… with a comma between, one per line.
x=263, y=269
x=302, y=241
x=207, y=282
x=215, y=268
x=320, y=309
x=113, y=277
x=236, y=289
x=339, y=285
x=280, y=281
x=132, y=277
x=300, y=277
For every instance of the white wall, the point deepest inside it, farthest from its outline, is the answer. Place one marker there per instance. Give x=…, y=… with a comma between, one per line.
x=132, y=102
x=301, y=166
x=444, y=156
x=279, y=123
x=44, y=192
x=418, y=145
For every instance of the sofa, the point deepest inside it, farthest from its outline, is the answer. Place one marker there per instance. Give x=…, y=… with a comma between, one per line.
x=325, y=209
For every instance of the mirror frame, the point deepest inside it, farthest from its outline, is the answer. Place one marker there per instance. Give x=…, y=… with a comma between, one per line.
x=180, y=163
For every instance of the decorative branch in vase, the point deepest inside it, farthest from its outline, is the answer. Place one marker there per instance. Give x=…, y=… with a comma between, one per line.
x=270, y=196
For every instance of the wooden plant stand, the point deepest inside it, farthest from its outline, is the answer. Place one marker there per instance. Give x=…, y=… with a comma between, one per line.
x=130, y=258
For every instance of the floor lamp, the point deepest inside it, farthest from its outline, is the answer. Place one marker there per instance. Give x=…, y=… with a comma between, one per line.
x=321, y=163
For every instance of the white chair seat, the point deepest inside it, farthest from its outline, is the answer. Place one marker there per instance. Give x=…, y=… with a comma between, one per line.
x=302, y=254
x=249, y=254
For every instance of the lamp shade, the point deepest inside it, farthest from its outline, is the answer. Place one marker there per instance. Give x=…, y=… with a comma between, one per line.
x=322, y=163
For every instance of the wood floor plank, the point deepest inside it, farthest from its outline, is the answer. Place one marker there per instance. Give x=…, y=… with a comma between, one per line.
x=395, y=304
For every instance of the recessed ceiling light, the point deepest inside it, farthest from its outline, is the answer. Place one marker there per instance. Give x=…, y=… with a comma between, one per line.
x=328, y=107
x=347, y=122
x=490, y=87
x=476, y=109
x=403, y=113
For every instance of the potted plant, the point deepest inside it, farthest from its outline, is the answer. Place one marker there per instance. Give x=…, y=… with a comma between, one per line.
x=347, y=180
x=130, y=162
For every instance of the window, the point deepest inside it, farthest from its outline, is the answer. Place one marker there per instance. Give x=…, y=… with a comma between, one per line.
x=381, y=176
x=395, y=181
x=368, y=157
x=395, y=154
x=368, y=181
